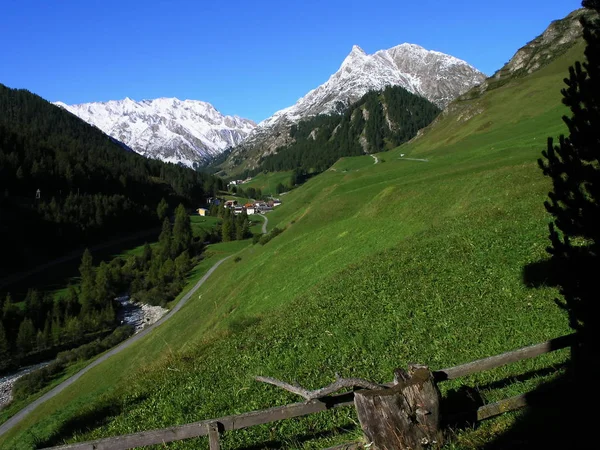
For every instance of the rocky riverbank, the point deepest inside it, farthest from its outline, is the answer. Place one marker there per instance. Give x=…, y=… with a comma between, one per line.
x=8, y=381
x=139, y=315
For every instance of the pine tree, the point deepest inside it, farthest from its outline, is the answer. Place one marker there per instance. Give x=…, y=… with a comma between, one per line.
x=226, y=230
x=88, y=281
x=246, y=229
x=40, y=344
x=162, y=210
x=26, y=337
x=73, y=330
x=164, y=241
x=4, y=346
x=70, y=302
x=182, y=265
x=182, y=231
x=47, y=331
x=146, y=256
x=56, y=332
x=102, y=291
x=574, y=202
x=34, y=308
x=167, y=271
x=10, y=311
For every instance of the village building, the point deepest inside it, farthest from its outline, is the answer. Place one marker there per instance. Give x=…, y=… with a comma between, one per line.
x=202, y=211
x=250, y=208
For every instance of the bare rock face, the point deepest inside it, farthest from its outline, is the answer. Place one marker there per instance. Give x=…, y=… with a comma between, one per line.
x=184, y=132
x=436, y=76
x=558, y=37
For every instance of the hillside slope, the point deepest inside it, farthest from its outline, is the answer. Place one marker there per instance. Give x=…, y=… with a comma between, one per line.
x=90, y=188
x=379, y=265
x=378, y=121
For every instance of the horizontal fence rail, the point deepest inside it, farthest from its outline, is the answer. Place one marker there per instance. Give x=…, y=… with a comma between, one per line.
x=212, y=427
x=228, y=423
x=505, y=358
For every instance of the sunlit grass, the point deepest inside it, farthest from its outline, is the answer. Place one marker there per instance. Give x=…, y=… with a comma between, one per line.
x=379, y=266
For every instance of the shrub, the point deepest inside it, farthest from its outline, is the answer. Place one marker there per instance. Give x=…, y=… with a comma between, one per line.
x=267, y=237
x=36, y=380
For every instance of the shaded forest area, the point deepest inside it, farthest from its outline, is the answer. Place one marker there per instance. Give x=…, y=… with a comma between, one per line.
x=379, y=121
x=40, y=325
x=90, y=187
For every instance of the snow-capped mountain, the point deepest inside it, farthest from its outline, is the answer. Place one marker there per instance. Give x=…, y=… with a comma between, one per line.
x=169, y=129
x=438, y=77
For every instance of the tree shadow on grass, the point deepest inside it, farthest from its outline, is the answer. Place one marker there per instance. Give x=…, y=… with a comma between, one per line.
x=554, y=411
x=87, y=420
x=300, y=439
x=546, y=371
x=553, y=419
x=540, y=274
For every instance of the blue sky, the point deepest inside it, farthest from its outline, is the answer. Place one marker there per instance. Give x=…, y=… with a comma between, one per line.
x=248, y=58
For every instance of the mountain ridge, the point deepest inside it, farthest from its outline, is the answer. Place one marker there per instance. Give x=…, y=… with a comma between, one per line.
x=431, y=74
x=188, y=132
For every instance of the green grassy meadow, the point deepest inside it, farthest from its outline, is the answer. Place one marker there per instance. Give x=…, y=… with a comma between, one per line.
x=203, y=223
x=380, y=265
x=267, y=182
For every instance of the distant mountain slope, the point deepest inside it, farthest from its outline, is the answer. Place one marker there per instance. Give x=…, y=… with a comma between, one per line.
x=558, y=39
x=188, y=132
x=90, y=188
x=436, y=76
x=379, y=121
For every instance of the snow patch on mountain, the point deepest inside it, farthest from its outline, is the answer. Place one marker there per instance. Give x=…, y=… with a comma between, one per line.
x=173, y=130
x=438, y=77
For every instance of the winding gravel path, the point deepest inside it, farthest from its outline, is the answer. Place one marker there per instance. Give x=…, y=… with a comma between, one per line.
x=375, y=158
x=414, y=159
x=10, y=423
x=264, y=227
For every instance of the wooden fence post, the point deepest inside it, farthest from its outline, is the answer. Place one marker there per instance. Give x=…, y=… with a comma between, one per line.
x=213, y=436
x=407, y=416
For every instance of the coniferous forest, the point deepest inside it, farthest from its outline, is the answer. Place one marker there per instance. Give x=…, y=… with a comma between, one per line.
x=64, y=184
x=379, y=121
x=41, y=324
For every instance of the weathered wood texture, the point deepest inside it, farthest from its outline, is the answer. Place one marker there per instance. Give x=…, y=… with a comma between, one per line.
x=406, y=416
x=237, y=422
x=228, y=423
x=506, y=405
x=505, y=358
x=348, y=446
x=213, y=436
x=337, y=385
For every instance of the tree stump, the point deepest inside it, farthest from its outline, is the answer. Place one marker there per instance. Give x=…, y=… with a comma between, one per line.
x=406, y=416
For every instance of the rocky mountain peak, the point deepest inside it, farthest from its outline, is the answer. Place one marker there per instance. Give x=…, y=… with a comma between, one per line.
x=436, y=76
x=556, y=39
x=173, y=130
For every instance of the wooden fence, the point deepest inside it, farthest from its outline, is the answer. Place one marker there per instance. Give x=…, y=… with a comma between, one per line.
x=214, y=427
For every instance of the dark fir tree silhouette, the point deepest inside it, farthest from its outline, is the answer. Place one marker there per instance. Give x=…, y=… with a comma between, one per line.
x=574, y=202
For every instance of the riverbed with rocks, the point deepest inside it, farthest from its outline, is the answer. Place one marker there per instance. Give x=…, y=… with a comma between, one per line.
x=139, y=315
x=8, y=381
